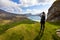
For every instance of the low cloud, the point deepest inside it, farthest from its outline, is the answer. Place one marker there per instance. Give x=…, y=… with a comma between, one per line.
x=35, y=11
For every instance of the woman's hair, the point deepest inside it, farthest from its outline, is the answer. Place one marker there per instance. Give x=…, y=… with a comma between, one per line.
x=44, y=13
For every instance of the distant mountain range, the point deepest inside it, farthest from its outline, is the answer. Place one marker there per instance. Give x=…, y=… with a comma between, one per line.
x=15, y=17
x=11, y=16
x=8, y=14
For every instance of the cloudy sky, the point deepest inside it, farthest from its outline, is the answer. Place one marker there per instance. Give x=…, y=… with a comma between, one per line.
x=26, y=6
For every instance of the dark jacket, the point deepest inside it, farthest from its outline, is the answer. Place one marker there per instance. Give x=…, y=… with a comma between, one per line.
x=43, y=19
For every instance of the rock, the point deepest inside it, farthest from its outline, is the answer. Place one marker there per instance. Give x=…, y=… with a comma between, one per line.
x=58, y=32
x=57, y=0
x=54, y=12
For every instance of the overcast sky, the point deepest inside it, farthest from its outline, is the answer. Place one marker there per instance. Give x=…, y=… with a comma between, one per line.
x=26, y=6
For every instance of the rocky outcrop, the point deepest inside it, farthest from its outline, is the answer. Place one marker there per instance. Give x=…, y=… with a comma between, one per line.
x=54, y=12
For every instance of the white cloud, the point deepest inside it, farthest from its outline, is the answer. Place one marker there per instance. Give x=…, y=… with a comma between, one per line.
x=10, y=6
x=27, y=3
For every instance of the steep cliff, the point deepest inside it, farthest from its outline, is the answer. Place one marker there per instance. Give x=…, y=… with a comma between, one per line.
x=54, y=12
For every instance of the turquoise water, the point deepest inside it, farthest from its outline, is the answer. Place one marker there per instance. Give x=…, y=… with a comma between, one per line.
x=34, y=18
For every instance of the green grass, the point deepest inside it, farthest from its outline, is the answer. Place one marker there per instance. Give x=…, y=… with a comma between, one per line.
x=28, y=30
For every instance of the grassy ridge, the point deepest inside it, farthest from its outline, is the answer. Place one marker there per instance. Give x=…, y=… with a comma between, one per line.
x=27, y=30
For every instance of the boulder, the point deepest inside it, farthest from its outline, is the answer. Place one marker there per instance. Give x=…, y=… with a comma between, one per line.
x=58, y=32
